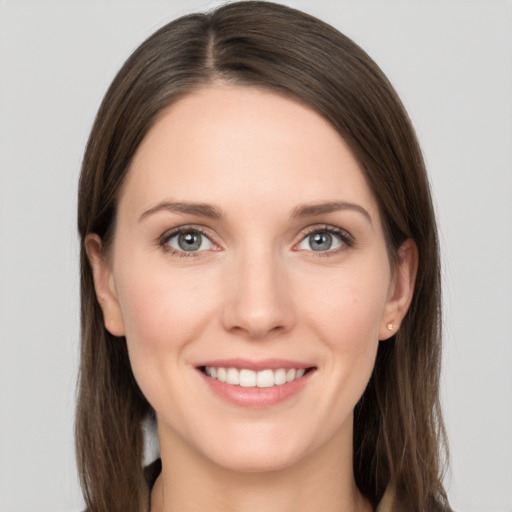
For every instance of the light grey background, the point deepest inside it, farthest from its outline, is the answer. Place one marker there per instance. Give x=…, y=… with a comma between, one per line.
x=451, y=62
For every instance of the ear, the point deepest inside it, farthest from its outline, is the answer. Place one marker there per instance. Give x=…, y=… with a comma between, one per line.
x=104, y=285
x=401, y=290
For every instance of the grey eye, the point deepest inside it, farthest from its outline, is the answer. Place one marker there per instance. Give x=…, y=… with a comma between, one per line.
x=319, y=241
x=189, y=241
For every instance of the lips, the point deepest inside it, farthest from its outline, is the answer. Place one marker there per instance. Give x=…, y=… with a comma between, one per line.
x=256, y=383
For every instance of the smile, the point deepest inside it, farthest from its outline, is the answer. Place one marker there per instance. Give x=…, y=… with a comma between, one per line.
x=256, y=384
x=247, y=378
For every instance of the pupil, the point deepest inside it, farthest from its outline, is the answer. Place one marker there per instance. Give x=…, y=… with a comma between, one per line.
x=189, y=241
x=321, y=241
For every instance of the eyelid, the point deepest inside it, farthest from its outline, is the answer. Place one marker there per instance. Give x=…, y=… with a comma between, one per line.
x=347, y=239
x=163, y=240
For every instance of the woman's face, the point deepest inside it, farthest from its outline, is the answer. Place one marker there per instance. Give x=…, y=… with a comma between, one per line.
x=248, y=247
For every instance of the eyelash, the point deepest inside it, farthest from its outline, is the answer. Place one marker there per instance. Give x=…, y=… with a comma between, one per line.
x=164, y=240
x=345, y=236
x=347, y=239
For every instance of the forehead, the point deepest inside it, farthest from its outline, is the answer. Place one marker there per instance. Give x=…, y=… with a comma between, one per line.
x=226, y=142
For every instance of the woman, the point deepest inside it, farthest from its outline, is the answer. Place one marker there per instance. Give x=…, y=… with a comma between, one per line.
x=260, y=274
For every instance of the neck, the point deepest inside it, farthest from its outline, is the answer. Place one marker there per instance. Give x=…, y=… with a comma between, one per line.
x=320, y=481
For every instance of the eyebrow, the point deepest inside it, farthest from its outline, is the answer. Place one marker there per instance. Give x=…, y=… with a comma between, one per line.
x=199, y=209
x=211, y=212
x=310, y=210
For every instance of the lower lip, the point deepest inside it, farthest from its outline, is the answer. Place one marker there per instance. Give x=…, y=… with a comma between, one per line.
x=256, y=397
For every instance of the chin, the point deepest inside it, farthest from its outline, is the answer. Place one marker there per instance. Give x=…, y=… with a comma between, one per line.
x=259, y=448
x=261, y=461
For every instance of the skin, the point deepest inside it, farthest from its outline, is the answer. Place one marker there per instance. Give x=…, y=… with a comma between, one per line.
x=256, y=290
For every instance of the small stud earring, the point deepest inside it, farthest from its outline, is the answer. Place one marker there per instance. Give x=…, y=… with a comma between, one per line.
x=390, y=326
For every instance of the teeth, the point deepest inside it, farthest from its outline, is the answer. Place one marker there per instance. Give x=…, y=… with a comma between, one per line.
x=247, y=378
x=233, y=376
x=221, y=374
x=279, y=377
x=251, y=379
x=265, y=379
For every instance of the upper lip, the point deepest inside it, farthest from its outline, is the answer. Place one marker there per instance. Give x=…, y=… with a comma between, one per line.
x=255, y=365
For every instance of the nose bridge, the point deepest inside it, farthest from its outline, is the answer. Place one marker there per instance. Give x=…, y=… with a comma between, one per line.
x=258, y=302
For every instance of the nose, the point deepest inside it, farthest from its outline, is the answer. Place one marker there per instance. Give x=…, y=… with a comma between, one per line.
x=258, y=301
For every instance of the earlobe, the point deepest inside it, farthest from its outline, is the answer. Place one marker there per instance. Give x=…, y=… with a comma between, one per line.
x=401, y=290
x=104, y=285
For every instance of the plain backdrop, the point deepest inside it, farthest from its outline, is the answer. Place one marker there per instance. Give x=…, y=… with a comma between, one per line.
x=451, y=62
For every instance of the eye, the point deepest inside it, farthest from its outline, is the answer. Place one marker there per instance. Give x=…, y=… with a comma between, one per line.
x=325, y=240
x=187, y=241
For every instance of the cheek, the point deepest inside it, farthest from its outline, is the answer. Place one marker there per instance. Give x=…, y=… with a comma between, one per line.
x=351, y=330
x=346, y=317
x=156, y=303
x=163, y=312
x=347, y=320
x=348, y=305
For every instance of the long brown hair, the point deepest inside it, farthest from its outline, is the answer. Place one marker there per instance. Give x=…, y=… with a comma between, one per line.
x=399, y=437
